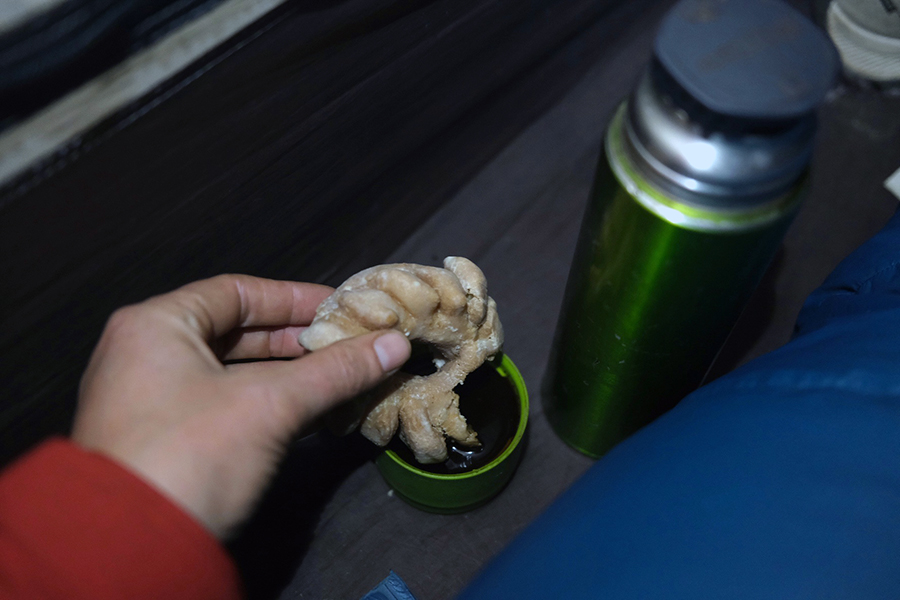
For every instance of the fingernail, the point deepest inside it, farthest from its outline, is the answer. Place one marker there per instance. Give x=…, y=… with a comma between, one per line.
x=392, y=349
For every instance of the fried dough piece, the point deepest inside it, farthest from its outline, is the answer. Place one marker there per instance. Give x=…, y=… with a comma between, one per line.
x=449, y=310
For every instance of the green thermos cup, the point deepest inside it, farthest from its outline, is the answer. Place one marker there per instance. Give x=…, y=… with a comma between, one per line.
x=703, y=168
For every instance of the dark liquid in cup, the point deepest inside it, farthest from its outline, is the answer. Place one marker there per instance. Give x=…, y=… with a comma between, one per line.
x=488, y=401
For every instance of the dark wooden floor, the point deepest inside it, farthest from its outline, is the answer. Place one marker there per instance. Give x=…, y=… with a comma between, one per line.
x=308, y=147
x=330, y=528
x=518, y=219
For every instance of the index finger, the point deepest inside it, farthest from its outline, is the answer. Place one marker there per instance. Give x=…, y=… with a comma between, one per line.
x=215, y=306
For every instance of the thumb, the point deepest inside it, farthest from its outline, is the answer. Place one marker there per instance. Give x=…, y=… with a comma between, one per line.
x=318, y=381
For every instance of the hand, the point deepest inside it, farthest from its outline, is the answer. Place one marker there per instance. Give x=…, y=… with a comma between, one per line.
x=157, y=397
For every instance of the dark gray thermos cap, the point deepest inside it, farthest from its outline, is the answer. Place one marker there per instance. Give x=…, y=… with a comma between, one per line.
x=753, y=59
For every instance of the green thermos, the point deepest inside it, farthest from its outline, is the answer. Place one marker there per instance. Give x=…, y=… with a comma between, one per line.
x=703, y=168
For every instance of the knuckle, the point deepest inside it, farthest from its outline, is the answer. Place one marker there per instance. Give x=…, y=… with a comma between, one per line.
x=228, y=279
x=130, y=323
x=232, y=281
x=123, y=322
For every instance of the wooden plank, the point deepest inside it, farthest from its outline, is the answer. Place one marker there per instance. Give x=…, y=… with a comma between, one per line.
x=518, y=219
x=306, y=153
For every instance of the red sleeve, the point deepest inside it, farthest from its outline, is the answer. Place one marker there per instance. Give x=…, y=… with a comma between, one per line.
x=76, y=525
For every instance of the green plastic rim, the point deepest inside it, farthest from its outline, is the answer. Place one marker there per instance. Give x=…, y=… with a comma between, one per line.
x=507, y=369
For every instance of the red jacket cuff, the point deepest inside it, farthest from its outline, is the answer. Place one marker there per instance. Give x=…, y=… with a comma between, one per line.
x=75, y=524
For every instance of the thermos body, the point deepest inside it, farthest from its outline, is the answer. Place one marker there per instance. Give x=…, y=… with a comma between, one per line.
x=654, y=290
x=703, y=168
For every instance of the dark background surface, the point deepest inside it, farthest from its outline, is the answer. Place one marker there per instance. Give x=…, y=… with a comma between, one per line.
x=309, y=152
x=371, y=131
